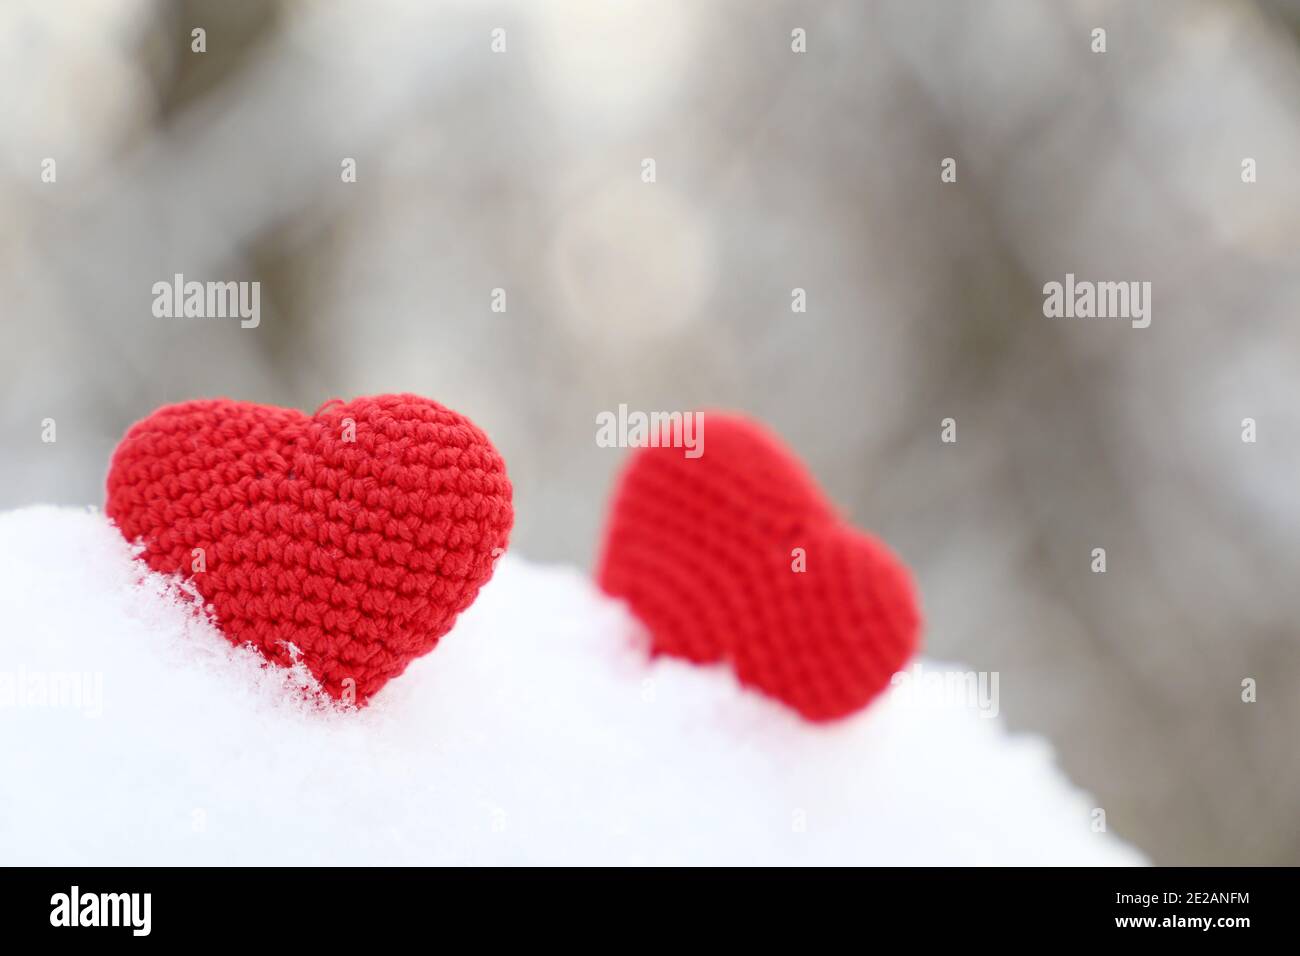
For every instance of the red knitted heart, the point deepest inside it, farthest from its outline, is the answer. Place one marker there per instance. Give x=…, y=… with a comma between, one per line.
x=356, y=535
x=704, y=551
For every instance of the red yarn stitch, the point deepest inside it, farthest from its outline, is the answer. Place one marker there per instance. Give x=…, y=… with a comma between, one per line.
x=358, y=553
x=701, y=549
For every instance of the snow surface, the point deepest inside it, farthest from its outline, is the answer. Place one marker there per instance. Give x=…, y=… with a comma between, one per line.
x=537, y=732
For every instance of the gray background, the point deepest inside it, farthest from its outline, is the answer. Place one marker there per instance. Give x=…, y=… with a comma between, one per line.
x=775, y=170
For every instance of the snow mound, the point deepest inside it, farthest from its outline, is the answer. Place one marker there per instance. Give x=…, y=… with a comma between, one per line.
x=537, y=732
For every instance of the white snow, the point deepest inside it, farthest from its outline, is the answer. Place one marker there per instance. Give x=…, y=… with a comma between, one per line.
x=537, y=732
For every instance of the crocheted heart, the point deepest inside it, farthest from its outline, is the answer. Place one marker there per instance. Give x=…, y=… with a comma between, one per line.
x=349, y=539
x=736, y=555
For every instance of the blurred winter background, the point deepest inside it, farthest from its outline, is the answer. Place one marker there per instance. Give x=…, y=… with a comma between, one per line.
x=479, y=170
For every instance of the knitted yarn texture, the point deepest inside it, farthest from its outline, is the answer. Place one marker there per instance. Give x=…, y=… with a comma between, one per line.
x=349, y=539
x=737, y=556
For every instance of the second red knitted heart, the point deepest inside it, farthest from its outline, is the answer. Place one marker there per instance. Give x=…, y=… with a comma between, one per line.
x=352, y=537
x=737, y=556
